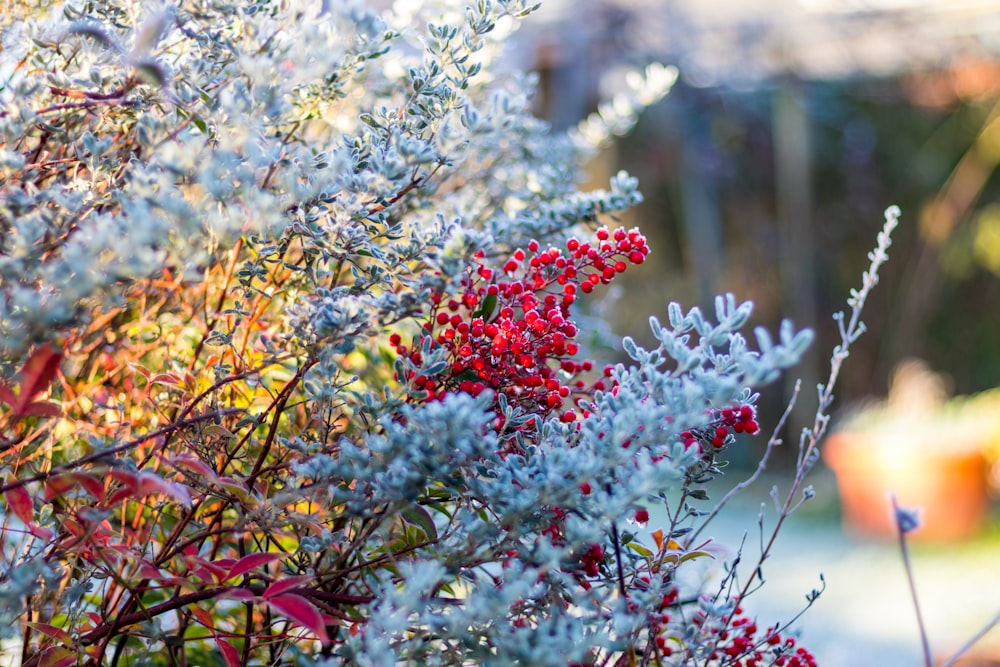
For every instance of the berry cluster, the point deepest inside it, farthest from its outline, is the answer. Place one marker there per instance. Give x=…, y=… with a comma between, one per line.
x=591, y=560
x=722, y=425
x=739, y=645
x=511, y=331
x=743, y=646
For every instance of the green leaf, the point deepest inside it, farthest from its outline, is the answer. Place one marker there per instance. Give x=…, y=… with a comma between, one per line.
x=489, y=305
x=151, y=72
x=691, y=555
x=639, y=549
x=422, y=519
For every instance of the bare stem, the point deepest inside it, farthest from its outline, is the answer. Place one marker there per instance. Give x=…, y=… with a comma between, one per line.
x=972, y=641
x=810, y=438
x=772, y=442
x=904, y=551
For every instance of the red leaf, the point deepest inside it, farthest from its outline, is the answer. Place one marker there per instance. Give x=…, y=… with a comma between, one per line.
x=150, y=571
x=165, y=378
x=202, y=616
x=152, y=484
x=19, y=501
x=92, y=484
x=302, y=611
x=57, y=486
x=216, y=572
x=140, y=369
x=58, y=634
x=41, y=409
x=252, y=562
x=41, y=533
x=119, y=496
x=241, y=594
x=129, y=479
x=194, y=464
x=229, y=652
x=36, y=375
x=282, y=585
x=7, y=396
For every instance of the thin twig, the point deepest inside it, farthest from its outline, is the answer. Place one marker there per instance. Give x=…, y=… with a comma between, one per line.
x=972, y=641
x=811, y=436
x=616, y=542
x=904, y=551
x=772, y=442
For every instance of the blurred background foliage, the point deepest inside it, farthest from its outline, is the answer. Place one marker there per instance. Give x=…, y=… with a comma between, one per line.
x=766, y=170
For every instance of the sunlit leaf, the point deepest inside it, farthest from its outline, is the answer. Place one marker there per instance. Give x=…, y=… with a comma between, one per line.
x=36, y=375
x=165, y=378
x=639, y=549
x=57, y=656
x=202, y=616
x=58, y=634
x=191, y=463
x=20, y=503
x=152, y=484
x=658, y=539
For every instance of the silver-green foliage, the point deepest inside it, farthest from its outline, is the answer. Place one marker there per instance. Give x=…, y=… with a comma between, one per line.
x=385, y=149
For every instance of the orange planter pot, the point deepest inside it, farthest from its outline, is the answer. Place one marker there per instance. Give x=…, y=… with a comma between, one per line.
x=948, y=485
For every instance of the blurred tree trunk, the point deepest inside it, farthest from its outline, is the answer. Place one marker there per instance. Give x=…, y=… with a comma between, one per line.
x=700, y=215
x=792, y=170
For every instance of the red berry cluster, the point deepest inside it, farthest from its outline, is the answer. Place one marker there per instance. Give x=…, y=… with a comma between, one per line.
x=739, y=645
x=591, y=560
x=659, y=621
x=511, y=331
x=723, y=423
x=588, y=562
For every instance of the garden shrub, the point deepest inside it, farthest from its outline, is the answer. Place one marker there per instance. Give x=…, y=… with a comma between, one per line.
x=292, y=357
